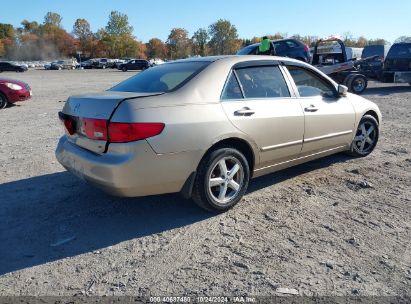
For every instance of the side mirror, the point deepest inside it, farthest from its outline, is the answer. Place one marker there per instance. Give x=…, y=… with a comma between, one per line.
x=342, y=90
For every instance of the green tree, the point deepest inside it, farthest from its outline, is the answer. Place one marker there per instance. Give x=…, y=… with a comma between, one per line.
x=361, y=42
x=348, y=39
x=178, y=43
x=200, y=39
x=156, y=48
x=403, y=39
x=378, y=41
x=52, y=19
x=118, y=24
x=6, y=30
x=82, y=30
x=223, y=38
x=117, y=36
x=277, y=36
x=30, y=27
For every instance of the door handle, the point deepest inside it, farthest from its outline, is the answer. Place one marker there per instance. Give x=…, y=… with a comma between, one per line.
x=244, y=112
x=311, y=108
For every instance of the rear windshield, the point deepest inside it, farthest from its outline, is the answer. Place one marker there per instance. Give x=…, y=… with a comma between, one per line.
x=400, y=51
x=373, y=50
x=248, y=50
x=163, y=78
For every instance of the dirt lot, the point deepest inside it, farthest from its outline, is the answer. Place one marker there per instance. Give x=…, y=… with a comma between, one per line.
x=337, y=226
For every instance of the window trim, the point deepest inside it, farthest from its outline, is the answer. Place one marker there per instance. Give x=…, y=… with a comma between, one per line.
x=312, y=71
x=253, y=64
x=232, y=72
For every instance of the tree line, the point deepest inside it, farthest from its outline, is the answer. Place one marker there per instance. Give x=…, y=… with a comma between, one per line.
x=49, y=40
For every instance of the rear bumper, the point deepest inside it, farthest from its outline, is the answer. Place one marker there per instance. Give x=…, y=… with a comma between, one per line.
x=131, y=169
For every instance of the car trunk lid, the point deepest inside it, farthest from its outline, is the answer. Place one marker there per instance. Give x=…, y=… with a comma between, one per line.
x=86, y=117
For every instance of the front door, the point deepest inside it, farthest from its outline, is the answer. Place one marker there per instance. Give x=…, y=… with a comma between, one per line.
x=258, y=102
x=329, y=118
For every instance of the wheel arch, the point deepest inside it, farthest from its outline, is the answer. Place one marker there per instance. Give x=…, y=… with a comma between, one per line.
x=240, y=144
x=236, y=142
x=373, y=114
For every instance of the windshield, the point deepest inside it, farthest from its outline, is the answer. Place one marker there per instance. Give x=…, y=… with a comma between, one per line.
x=162, y=78
x=373, y=50
x=400, y=51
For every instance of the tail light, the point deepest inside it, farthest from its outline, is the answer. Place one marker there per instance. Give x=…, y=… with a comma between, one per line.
x=68, y=123
x=116, y=132
x=126, y=132
x=94, y=128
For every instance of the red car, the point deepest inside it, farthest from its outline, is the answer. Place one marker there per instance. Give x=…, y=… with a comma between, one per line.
x=12, y=91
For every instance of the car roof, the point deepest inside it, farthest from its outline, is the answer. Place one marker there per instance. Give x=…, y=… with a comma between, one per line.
x=236, y=59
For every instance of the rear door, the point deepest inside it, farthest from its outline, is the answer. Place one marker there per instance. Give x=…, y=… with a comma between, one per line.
x=281, y=48
x=329, y=118
x=257, y=100
x=131, y=65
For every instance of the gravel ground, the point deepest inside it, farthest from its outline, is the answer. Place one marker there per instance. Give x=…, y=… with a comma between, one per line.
x=336, y=226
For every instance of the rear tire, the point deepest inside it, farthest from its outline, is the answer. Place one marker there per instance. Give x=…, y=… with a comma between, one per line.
x=124, y=69
x=347, y=79
x=3, y=101
x=222, y=179
x=366, y=137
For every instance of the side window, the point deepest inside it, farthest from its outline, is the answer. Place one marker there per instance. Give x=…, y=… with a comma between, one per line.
x=280, y=47
x=310, y=84
x=263, y=82
x=232, y=89
x=291, y=44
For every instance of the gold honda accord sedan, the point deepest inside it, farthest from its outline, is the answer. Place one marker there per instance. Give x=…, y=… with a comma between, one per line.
x=205, y=126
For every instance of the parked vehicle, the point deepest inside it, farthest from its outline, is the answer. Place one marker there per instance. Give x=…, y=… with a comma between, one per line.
x=47, y=66
x=338, y=66
x=12, y=91
x=373, y=68
x=285, y=47
x=68, y=64
x=135, y=64
x=6, y=66
x=352, y=53
x=87, y=64
x=397, y=64
x=205, y=126
x=103, y=63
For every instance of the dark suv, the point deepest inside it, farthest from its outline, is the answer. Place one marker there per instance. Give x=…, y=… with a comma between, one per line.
x=11, y=67
x=397, y=64
x=285, y=47
x=372, y=68
x=135, y=64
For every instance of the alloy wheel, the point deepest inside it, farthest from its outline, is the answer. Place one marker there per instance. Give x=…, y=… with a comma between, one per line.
x=226, y=180
x=365, y=138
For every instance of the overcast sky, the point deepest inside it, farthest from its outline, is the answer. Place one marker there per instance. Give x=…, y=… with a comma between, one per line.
x=372, y=19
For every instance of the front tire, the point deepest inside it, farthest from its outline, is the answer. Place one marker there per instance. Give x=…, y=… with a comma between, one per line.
x=124, y=69
x=3, y=101
x=366, y=137
x=222, y=179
